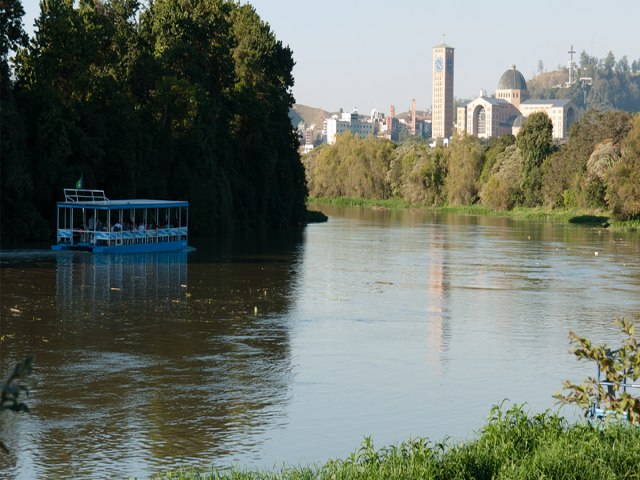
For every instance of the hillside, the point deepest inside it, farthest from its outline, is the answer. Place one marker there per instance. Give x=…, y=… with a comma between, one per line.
x=308, y=115
x=547, y=80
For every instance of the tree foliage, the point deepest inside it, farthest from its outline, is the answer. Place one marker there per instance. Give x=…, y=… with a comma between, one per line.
x=565, y=174
x=623, y=178
x=535, y=142
x=503, y=189
x=465, y=165
x=14, y=388
x=617, y=367
x=168, y=99
x=352, y=167
x=615, y=84
x=596, y=168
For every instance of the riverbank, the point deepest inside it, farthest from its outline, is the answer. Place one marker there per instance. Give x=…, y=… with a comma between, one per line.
x=512, y=445
x=592, y=217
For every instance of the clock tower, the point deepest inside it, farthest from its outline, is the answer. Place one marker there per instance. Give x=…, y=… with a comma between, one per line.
x=442, y=91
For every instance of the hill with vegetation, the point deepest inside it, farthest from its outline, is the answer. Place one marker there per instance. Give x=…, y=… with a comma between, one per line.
x=608, y=84
x=165, y=100
x=308, y=115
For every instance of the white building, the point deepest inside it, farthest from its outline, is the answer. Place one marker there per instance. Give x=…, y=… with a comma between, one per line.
x=356, y=124
x=488, y=117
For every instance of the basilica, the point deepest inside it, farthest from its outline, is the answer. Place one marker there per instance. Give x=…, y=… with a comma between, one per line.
x=488, y=117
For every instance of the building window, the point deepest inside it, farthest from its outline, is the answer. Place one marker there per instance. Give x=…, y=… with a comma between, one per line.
x=480, y=122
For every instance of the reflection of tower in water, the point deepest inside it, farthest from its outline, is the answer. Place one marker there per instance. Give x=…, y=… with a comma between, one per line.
x=86, y=281
x=436, y=310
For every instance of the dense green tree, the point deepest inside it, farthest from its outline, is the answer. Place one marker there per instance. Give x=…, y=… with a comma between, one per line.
x=179, y=99
x=18, y=216
x=564, y=171
x=12, y=35
x=267, y=142
x=502, y=191
x=623, y=182
x=352, y=167
x=608, y=63
x=494, y=147
x=464, y=167
x=535, y=142
x=418, y=172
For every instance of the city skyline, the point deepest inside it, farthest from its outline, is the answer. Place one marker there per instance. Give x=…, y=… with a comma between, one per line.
x=369, y=54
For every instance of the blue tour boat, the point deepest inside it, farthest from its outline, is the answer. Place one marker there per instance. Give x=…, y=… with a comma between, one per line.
x=88, y=221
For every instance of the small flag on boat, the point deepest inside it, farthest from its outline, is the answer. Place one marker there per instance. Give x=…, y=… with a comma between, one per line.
x=80, y=182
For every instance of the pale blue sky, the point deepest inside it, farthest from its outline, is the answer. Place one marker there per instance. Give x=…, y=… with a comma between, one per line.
x=371, y=53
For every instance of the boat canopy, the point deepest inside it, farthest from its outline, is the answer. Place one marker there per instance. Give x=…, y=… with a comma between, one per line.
x=80, y=198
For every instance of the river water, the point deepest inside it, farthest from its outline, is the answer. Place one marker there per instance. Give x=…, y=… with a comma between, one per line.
x=291, y=348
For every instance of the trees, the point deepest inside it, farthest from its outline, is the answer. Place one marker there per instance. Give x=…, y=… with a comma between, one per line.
x=352, y=167
x=613, y=84
x=597, y=168
x=534, y=141
x=503, y=189
x=566, y=180
x=465, y=155
x=179, y=99
x=623, y=180
x=16, y=183
x=417, y=173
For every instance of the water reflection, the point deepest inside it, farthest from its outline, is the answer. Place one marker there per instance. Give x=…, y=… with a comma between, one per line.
x=92, y=284
x=437, y=297
x=149, y=361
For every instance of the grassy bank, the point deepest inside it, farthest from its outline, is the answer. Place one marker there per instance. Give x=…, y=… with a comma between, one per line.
x=512, y=445
x=565, y=215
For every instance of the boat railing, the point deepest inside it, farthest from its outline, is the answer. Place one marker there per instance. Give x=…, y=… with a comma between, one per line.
x=121, y=237
x=76, y=195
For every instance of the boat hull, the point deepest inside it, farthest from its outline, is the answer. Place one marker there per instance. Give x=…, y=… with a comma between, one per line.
x=129, y=248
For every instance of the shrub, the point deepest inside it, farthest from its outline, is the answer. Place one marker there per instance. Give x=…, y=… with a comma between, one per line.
x=616, y=366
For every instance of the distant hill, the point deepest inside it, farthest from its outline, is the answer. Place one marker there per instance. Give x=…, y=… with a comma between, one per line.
x=546, y=81
x=308, y=115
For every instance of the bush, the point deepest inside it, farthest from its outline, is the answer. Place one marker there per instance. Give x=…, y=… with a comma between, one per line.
x=616, y=366
x=502, y=191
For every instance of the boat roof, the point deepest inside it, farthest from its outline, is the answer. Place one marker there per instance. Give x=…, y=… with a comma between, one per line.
x=82, y=198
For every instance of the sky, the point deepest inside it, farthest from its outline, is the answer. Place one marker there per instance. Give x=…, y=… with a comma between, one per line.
x=368, y=54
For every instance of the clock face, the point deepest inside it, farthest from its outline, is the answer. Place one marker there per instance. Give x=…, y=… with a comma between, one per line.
x=438, y=64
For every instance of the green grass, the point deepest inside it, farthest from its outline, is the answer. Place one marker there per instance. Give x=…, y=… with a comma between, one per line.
x=360, y=202
x=512, y=445
x=593, y=218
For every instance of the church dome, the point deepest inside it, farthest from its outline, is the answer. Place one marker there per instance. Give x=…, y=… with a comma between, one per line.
x=518, y=122
x=512, y=79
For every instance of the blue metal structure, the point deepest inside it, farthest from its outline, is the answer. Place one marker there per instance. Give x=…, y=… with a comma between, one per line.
x=88, y=221
x=596, y=412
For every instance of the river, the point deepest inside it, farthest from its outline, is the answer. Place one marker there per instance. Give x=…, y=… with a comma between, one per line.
x=260, y=350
